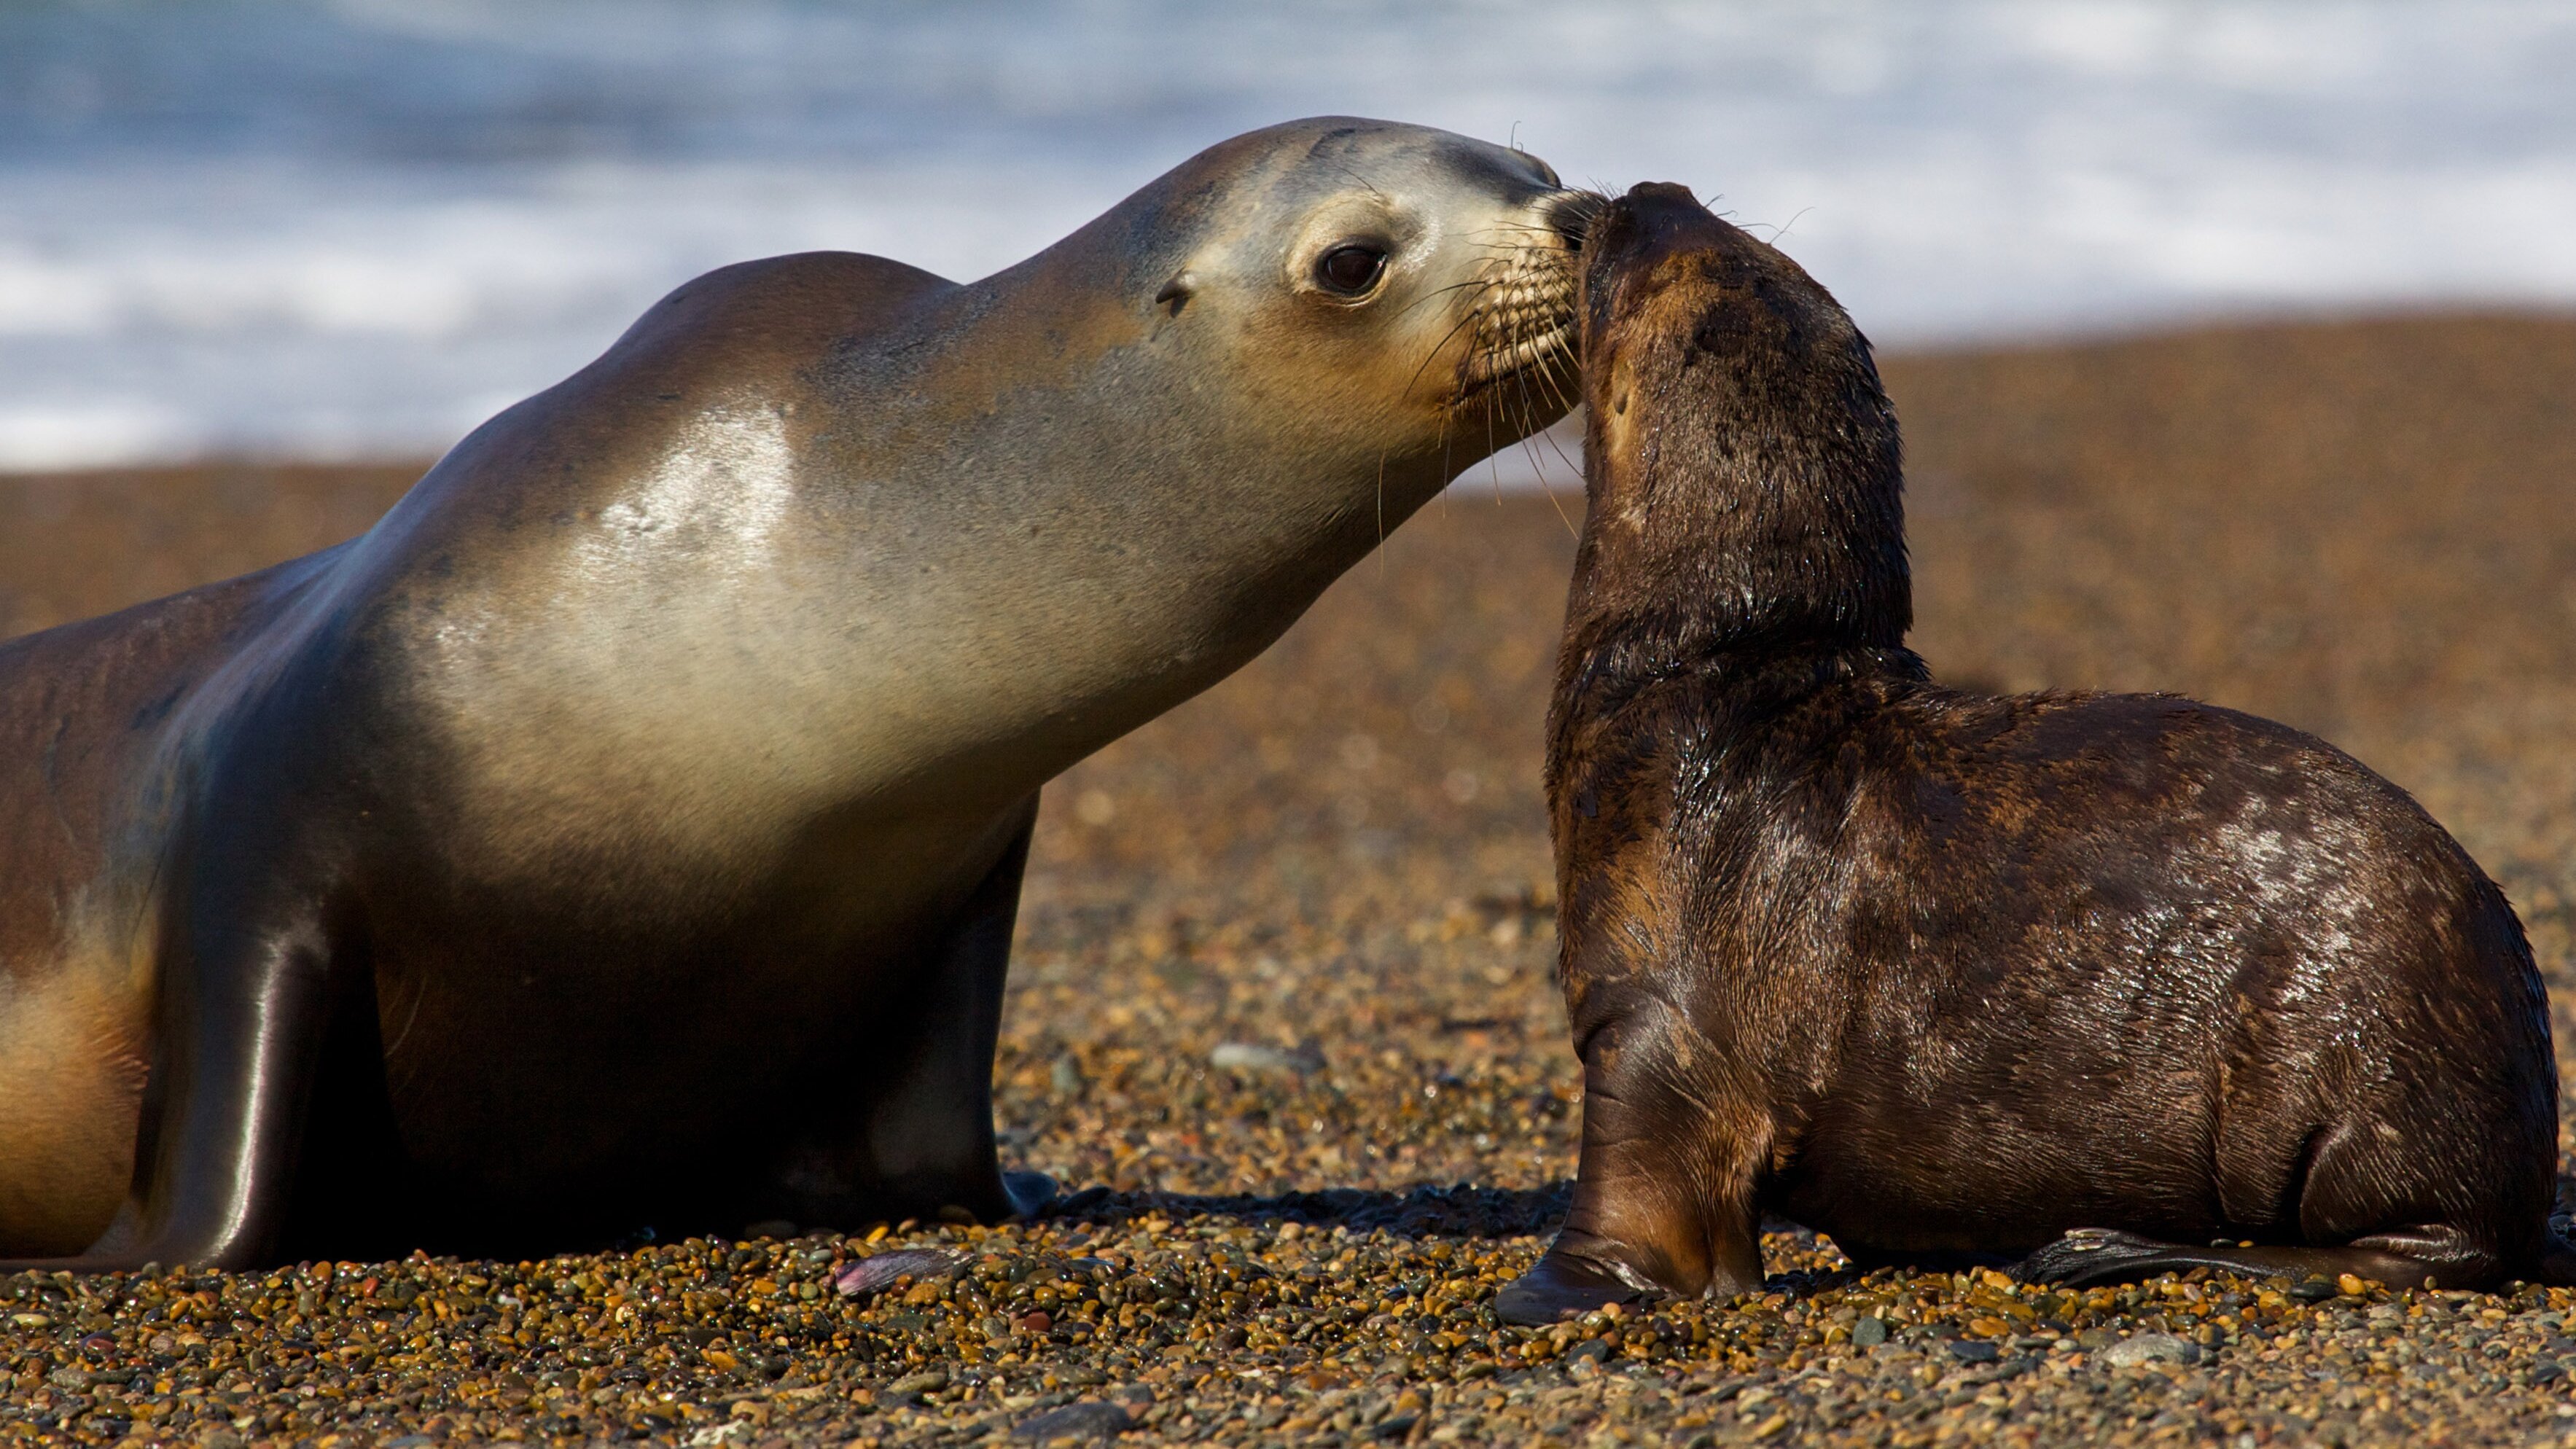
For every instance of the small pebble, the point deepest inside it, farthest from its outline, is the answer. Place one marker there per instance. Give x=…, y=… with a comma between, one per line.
x=2150, y=1348
x=876, y=1274
x=1075, y=1421
x=1241, y=1056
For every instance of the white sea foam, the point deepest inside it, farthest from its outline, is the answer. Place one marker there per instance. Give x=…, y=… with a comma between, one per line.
x=306, y=228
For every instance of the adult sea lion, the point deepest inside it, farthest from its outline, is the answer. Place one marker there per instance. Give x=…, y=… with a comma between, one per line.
x=627, y=829
x=2111, y=984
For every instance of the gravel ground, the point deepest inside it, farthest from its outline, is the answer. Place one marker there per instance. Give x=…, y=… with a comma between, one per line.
x=1282, y=1023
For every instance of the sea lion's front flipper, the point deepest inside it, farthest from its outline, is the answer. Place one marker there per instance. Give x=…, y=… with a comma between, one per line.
x=1561, y=1285
x=907, y=1130
x=1664, y=1199
x=243, y=1010
x=930, y=1138
x=1637, y=1230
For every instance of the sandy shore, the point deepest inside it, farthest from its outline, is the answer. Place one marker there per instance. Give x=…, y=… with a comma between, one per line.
x=1282, y=988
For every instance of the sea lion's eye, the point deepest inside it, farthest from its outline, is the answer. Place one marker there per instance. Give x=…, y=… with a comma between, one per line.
x=1351, y=268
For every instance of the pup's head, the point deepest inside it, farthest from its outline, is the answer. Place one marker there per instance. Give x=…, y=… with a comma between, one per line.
x=1737, y=429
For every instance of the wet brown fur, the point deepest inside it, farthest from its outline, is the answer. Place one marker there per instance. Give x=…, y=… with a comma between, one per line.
x=1952, y=976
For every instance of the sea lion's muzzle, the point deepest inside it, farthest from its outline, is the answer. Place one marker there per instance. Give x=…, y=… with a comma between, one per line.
x=1523, y=318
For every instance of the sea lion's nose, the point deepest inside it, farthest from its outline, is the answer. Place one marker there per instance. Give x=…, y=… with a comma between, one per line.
x=1664, y=205
x=1651, y=218
x=1645, y=192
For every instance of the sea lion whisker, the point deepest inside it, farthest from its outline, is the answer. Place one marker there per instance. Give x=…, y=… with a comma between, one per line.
x=1517, y=402
x=1531, y=381
x=1479, y=284
x=1547, y=436
x=1504, y=362
x=1448, y=417
x=1539, y=469
x=1569, y=200
x=1571, y=532
x=1433, y=354
x=1493, y=466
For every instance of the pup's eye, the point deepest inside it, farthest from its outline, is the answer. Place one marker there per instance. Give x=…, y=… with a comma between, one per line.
x=1351, y=268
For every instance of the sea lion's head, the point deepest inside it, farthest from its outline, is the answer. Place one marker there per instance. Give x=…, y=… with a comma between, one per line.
x=1738, y=446
x=1372, y=296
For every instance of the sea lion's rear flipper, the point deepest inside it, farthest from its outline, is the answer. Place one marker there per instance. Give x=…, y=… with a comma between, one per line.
x=2431, y=1259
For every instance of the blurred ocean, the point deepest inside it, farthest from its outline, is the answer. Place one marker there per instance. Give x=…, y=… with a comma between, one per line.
x=308, y=228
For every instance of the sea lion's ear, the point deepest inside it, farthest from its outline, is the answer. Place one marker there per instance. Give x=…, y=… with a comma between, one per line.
x=1177, y=291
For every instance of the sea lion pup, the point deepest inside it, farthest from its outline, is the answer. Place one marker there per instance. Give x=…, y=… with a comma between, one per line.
x=627, y=830
x=2095, y=979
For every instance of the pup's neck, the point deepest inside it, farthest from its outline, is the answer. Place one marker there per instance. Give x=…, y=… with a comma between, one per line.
x=1748, y=530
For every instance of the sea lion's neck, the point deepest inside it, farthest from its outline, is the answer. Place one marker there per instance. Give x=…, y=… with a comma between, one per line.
x=1092, y=531
x=1737, y=534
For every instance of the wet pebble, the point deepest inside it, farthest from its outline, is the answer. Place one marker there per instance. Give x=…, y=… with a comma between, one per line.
x=1074, y=1421
x=2146, y=1348
x=882, y=1271
x=1239, y=1056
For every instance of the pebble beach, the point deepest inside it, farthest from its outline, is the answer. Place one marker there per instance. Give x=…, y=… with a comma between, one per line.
x=1282, y=1024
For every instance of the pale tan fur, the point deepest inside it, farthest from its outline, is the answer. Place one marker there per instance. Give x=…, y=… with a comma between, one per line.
x=73, y=1045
